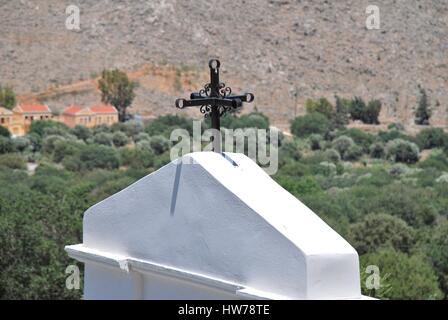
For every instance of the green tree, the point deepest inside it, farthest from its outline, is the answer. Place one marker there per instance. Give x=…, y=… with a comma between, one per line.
x=340, y=117
x=342, y=144
x=308, y=124
x=377, y=231
x=103, y=138
x=423, y=112
x=357, y=108
x=4, y=132
x=159, y=144
x=399, y=150
x=41, y=127
x=438, y=252
x=6, y=145
x=164, y=125
x=432, y=138
x=117, y=90
x=99, y=156
x=377, y=150
x=7, y=98
x=316, y=141
x=81, y=132
x=322, y=106
x=12, y=161
x=367, y=113
x=409, y=277
x=289, y=151
x=119, y=139
x=372, y=112
x=137, y=157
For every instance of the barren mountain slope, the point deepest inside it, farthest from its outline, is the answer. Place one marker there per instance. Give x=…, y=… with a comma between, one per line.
x=268, y=47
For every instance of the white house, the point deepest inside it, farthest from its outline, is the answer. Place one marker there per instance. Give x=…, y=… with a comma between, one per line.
x=212, y=226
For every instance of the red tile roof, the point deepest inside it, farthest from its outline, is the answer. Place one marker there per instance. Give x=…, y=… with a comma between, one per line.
x=103, y=109
x=72, y=109
x=34, y=108
x=5, y=111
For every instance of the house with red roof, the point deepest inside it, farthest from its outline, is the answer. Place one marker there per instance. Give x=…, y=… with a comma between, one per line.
x=25, y=114
x=89, y=116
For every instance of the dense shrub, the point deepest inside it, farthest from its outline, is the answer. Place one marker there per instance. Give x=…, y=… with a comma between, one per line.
x=342, y=144
x=98, y=156
x=316, y=141
x=437, y=161
x=399, y=150
x=103, y=138
x=130, y=128
x=361, y=138
x=289, y=150
x=438, y=252
x=410, y=277
x=141, y=137
x=308, y=124
x=332, y=155
x=21, y=143
x=353, y=153
x=64, y=148
x=294, y=169
x=12, y=161
x=4, y=132
x=372, y=112
x=390, y=135
x=164, y=125
x=39, y=127
x=423, y=112
x=299, y=187
x=377, y=231
x=8, y=98
x=377, y=150
x=251, y=120
x=35, y=142
x=367, y=113
x=81, y=132
x=432, y=138
x=340, y=117
x=357, y=108
x=322, y=106
x=119, y=139
x=6, y=145
x=49, y=143
x=159, y=144
x=137, y=157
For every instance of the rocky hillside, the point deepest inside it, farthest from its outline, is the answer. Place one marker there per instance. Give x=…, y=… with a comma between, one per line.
x=270, y=47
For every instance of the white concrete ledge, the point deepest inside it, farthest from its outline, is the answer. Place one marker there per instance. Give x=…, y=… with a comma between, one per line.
x=127, y=264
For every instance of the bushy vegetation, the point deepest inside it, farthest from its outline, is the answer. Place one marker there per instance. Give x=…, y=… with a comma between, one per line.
x=311, y=123
x=423, y=112
x=8, y=98
x=367, y=113
x=372, y=189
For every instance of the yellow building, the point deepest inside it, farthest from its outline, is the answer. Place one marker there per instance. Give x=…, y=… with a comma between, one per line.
x=25, y=114
x=13, y=121
x=89, y=116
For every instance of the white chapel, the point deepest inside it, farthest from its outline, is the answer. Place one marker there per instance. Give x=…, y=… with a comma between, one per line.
x=212, y=226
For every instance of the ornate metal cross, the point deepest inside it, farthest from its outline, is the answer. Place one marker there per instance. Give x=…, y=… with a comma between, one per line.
x=215, y=99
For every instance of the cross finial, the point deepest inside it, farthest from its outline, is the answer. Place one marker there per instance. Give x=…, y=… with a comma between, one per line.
x=214, y=100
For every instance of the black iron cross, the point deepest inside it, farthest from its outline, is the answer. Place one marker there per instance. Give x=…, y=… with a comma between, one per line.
x=215, y=99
